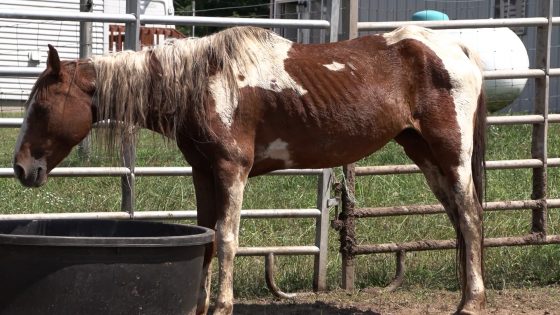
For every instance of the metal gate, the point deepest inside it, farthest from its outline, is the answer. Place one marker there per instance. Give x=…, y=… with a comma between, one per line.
x=539, y=162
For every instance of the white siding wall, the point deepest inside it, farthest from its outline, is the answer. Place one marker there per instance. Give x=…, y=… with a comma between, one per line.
x=20, y=39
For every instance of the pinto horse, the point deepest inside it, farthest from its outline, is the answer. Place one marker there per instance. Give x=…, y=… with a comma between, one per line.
x=245, y=101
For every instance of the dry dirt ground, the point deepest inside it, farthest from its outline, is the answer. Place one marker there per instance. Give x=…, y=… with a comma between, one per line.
x=531, y=301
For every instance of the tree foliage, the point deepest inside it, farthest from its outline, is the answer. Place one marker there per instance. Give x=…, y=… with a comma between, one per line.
x=221, y=8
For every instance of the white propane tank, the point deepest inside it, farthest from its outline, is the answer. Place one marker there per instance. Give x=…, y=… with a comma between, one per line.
x=499, y=49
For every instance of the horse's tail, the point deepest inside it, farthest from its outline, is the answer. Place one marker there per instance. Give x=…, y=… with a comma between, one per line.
x=478, y=162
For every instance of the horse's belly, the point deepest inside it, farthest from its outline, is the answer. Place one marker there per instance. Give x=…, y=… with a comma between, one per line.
x=302, y=133
x=315, y=149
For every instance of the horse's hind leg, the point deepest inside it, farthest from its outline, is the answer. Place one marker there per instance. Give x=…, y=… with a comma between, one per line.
x=469, y=241
x=419, y=152
x=453, y=185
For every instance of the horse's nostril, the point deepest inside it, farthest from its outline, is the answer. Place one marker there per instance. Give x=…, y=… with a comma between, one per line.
x=38, y=173
x=19, y=171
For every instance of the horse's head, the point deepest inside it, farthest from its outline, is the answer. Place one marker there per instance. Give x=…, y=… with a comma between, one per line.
x=59, y=115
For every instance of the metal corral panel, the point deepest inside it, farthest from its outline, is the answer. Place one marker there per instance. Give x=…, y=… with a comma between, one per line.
x=402, y=10
x=148, y=7
x=525, y=101
x=24, y=42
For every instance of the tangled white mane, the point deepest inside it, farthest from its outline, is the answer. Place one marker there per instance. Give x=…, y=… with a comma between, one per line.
x=170, y=82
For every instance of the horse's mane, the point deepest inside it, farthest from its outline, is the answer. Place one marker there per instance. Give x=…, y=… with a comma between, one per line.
x=172, y=81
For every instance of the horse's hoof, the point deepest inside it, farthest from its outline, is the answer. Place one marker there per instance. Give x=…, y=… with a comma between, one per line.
x=471, y=309
x=223, y=309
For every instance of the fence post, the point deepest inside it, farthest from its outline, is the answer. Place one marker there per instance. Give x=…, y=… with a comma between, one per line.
x=132, y=29
x=85, y=52
x=353, y=10
x=346, y=217
x=348, y=226
x=349, y=11
x=540, y=131
x=131, y=42
x=128, y=182
x=334, y=20
x=322, y=230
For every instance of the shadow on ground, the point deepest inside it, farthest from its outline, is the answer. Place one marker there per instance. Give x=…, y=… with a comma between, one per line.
x=317, y=308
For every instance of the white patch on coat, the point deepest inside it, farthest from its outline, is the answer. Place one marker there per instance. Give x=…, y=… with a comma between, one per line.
x=268, y=72
x=351, y=66
x=22, y=131
x=225, y=105
x=335, y=66
x=277, y=150
x=24, y=126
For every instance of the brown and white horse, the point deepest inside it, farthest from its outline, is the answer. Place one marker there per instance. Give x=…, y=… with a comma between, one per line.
x=245, y=101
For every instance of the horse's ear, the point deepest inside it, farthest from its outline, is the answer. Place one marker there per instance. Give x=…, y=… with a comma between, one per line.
x=53, y=61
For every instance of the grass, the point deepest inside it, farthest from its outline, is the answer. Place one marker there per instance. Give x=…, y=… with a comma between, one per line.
x=505, y=267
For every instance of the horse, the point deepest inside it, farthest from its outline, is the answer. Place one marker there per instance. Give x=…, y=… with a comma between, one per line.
x=245, y=101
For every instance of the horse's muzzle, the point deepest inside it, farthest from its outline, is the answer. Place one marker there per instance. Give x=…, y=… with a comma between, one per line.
x=32, y=174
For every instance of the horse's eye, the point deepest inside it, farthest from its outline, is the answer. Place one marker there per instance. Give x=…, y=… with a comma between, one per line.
x=38, y=108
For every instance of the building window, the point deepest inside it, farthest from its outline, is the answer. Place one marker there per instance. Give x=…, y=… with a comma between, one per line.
x=505, y=9
x=292, y=9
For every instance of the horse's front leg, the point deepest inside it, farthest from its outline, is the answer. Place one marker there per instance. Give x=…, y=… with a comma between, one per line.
x=206, y=216
x=230, y=180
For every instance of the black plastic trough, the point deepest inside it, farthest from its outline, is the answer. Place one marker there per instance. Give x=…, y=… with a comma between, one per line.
x=85, y=267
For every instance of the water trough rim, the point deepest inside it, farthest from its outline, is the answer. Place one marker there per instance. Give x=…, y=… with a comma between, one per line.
x=205, y=236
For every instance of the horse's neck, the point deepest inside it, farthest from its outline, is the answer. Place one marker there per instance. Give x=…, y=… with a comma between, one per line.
x=121, y=96
x=159, y=121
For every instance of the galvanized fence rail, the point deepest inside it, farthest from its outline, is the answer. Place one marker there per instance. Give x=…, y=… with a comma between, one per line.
x=539, y=162
x=133, y=19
